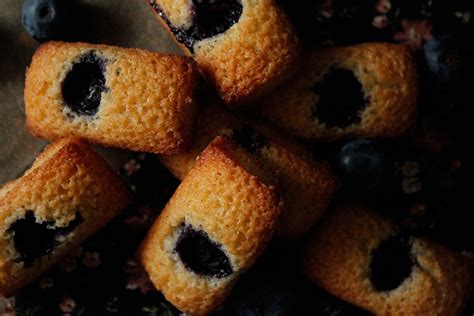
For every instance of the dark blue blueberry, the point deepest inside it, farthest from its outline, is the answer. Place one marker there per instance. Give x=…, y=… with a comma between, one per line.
x=214, y=17
x=200, y=254
x=33, y=240
x=84, y=84
x=210, y=18
x=364, y=163
x=341, y=99
x=448, y=58
x=44, y=19
x=391, y=263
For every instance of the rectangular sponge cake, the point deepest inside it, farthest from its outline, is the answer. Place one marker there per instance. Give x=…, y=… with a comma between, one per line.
x=117, y=97
x=68, y=194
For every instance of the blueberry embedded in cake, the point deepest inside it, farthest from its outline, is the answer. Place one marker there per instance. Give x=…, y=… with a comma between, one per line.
x=84, y=84
x=208, y=18
x=391, y=263
x=66, y=196
x=363, y=258
x=341, y=99
x=217, y=223
x=245, y=48
x=34, y=239
x=200, y=254
x=367, y=90
x=213, y=17
x=111, y=96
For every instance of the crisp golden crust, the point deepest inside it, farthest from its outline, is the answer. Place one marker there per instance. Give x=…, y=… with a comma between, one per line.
x=388, y=76
x=149, y=105
x=248, y=60
x=306, y=185
x=213, y=120
x=66, y=179
x=233, y=206
x=338, y=257
x=177, y=11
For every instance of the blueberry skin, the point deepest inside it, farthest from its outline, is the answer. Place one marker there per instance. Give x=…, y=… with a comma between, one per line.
x=447, y=57
x=391, y=263
x=210, y=18
x=364, y=164
x=44, y=19
x=202, y=255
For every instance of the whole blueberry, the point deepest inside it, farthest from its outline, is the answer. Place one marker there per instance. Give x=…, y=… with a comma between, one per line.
x=364, y=164
x=447, y=57
x=45, y=20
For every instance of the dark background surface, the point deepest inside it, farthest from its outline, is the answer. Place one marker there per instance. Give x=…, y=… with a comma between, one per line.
x=102, y=277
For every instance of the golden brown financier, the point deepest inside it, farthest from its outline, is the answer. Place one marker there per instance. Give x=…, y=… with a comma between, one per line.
x=366, y=90
x=245, y=48
x=306, y=184
x=117, y=97
x=67, y=195
x=217, y=223
x=363, y=258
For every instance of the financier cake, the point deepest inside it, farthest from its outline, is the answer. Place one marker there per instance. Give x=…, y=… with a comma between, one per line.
x=366, y=260
x=244, y=47
x=68, y=194
x=118, y=97
x=366, y=90
x=212, y=230
x=307, y=185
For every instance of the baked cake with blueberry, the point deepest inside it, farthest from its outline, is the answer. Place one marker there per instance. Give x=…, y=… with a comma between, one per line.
x=213, y=229
x=366, y=260
x=366, y=90
x=244, y=47
x=306, y=185
x=67, y=195
x=118, y=97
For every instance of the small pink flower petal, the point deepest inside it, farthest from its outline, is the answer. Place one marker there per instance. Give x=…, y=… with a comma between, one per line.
x=383, y=6
x=140, y=219
x=131, y=167
x=137, y=277
x=415, y=33
x=380, y=21
x=67, y=305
